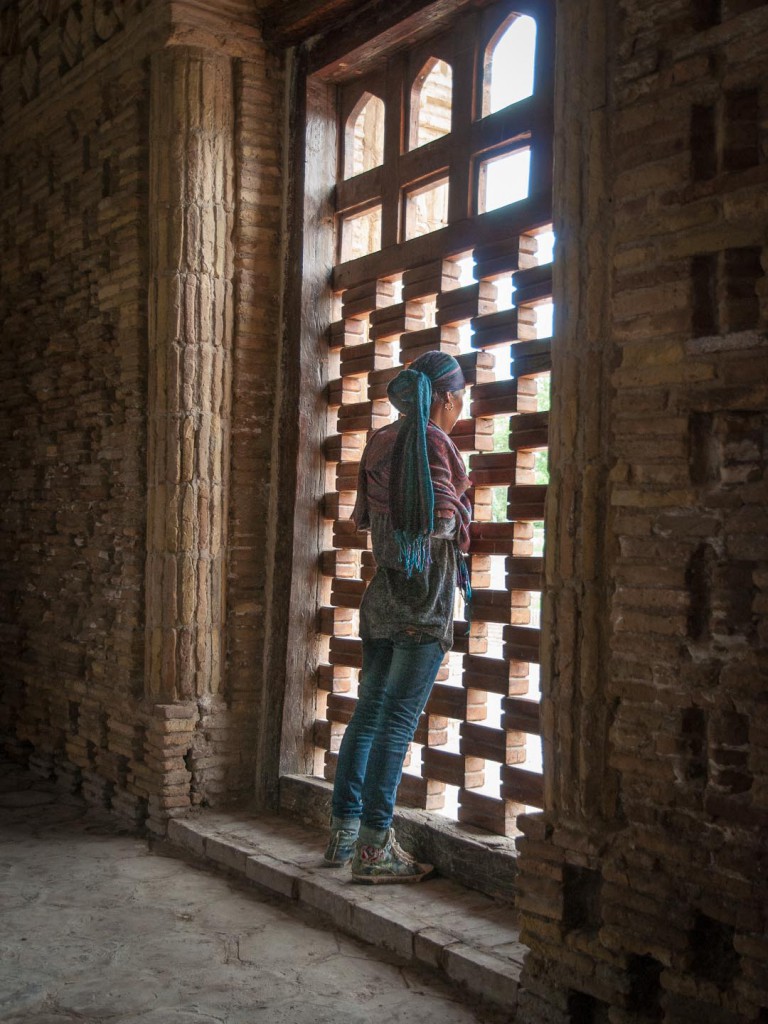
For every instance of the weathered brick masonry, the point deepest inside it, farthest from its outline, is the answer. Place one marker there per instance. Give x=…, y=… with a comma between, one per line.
x=141, y=205
x=644, y=888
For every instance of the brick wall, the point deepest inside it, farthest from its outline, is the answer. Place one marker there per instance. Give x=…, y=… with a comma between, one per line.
x=72, y=397
x=643, y=889
x=89, y=362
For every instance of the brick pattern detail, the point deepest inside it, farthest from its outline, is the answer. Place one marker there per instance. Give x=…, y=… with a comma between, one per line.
x=111, y=536
x=642, y=889
x=73, y=412
x=43, y=40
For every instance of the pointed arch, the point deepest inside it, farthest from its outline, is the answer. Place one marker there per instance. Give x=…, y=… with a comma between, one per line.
x=508, y=64
x=364, y=136
x=431, y=101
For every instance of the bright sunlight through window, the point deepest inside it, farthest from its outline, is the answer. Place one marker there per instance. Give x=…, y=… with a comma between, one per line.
x=509, y=64
x=503, y=180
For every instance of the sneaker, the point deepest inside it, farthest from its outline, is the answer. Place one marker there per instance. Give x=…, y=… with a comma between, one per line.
x=341, y=847
x=378, y=865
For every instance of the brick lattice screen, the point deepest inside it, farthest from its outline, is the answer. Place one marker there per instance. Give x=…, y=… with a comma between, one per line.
x=432, y=254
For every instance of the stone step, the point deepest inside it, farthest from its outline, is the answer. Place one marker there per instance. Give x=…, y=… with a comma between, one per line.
x=465, y=935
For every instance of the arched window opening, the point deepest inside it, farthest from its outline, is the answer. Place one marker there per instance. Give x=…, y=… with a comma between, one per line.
x=509, y=64
x=364, y=136
x=361, y=234
x=503, y=180
x=431, y=98
x=426, y=209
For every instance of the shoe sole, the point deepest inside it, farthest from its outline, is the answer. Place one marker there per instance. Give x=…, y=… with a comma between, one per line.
x=392, y=879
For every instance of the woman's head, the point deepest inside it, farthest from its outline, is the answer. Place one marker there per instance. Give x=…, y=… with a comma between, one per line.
x=435, y=383
x=444, y=372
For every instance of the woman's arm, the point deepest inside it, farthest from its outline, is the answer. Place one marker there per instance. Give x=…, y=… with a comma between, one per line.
x=361, y=513
x=450, y=482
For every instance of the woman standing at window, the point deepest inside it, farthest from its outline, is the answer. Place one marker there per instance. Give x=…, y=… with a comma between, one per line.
x=411, y=496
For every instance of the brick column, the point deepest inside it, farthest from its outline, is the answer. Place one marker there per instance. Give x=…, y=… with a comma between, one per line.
x=575, y=712
x=559, y=878
x=191, y=222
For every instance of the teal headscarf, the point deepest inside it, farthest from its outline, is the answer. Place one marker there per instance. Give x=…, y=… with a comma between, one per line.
x=411, y=493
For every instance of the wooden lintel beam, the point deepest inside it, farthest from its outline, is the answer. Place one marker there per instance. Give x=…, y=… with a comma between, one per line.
x=451, y=240
x=289, y=22
x=354, y=22
x=375, y=28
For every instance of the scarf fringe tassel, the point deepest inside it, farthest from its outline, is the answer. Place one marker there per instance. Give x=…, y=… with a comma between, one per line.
x=464, y=585
x=415, y=551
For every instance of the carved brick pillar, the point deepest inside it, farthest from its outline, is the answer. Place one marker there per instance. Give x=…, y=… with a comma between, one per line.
x=559, y=868
x=191, y=224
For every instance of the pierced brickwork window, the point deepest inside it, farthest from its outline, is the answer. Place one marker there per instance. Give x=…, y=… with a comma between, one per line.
x=444, y=240
x=364, y=136
x=431, y=103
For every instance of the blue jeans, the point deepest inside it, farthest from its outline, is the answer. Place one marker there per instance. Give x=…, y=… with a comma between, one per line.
x=395, y=683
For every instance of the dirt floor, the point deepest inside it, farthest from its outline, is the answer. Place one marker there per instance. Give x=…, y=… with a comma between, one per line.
x=96, y=927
